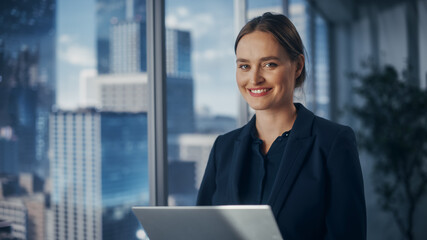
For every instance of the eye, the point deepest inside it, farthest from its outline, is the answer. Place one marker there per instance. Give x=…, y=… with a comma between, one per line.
x=270, y=65
x=244, y=66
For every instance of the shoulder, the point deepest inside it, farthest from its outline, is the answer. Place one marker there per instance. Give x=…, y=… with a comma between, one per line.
x=334, y=137
x=237, y=135
x=329, y=128
x=308, y=124
x=228, y=138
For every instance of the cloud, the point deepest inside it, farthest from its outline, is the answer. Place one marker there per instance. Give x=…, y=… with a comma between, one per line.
x=212, y=54
x=171, y=21
x=199, y=24
x=203, y=78
x=74, y=53
x=182, y=11
x=64, y=38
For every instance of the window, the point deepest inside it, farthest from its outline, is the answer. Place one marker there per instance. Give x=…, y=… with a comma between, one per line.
x=53, y=65
x=201, y=91
x=74, y=99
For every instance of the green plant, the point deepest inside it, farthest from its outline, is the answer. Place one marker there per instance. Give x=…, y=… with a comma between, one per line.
x=393, y=114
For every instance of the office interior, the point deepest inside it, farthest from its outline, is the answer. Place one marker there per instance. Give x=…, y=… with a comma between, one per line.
x=109, y=104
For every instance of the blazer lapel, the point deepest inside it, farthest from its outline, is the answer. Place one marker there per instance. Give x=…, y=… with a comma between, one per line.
x=298, y=146
x=240, y=151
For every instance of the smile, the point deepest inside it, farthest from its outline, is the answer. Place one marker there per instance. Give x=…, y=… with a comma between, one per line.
x=259, y=92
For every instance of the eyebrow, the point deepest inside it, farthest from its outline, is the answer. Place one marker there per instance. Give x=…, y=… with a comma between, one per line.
x=263, y=59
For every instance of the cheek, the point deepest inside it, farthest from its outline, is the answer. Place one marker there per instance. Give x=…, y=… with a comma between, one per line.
x=239, y=79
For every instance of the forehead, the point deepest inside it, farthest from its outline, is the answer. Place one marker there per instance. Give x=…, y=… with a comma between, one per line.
x=258, y=45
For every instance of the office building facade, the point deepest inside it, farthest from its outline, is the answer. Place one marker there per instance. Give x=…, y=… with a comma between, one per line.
x=14, y=211
x=124, y=166
x=98, y=170
x=117, y=92
x=27, y=82
x=128, y=48
x=75, y=170
x=180, y=84
x=124, y=13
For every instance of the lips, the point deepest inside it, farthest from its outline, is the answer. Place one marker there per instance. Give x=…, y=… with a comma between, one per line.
x=258, y=92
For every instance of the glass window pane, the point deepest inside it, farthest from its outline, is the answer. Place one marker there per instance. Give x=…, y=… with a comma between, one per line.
x=313, y=30
x=322, y=67
x=202, y=95
x=299, y=14
x=73, y=118
x=256, y=8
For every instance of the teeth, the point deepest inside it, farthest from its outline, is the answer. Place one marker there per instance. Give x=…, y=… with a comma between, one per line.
x=258, y=90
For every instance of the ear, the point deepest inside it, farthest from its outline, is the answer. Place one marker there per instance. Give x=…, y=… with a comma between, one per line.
x=300, y=61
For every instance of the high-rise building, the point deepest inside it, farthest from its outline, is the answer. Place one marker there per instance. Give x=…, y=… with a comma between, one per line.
x=178, y=53
x=13, y=210
x=98, y=170
x=36, y=209
x=8, y=151
x=128, y=48
x=124, y=165
x=21, y=107
x=75, y=170
x=109, y=13
x=180, y=105
x=116, y=92
x=30, y=25
x=180, y=84
x=27, y=81
x=187, y=152
x=22, y=204
x=121, y=49
x=196, y=147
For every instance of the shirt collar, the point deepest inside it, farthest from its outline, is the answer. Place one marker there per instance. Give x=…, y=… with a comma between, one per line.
x=254, y=133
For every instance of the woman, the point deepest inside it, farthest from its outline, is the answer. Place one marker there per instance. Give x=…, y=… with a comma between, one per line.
x=305, y=167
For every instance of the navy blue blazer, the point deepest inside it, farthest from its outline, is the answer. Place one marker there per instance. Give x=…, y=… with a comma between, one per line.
x=318, y=192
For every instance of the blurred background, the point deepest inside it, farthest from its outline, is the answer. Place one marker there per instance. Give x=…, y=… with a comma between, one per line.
x=74, y=105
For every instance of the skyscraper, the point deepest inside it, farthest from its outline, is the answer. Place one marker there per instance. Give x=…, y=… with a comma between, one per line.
x=180, y=84
x=178, y=53
x=27, y=82
x=128, y=47
x=98, y=168
x=116, y=92
x=121, y=49
x=75, y=170
x=13, y=210
x=111, y=12
x=124, y=165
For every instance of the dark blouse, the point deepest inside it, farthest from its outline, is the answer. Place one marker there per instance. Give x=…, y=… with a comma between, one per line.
x=260, y=170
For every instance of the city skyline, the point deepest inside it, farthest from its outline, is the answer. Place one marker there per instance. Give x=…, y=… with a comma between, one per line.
x=212, y=53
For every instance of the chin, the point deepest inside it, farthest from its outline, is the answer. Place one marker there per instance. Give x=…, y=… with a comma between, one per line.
x=258, y=107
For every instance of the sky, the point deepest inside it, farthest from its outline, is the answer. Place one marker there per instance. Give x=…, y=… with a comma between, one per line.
x=75, y=48
x=212, y=36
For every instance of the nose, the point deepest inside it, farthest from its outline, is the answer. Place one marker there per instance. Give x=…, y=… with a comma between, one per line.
x=256, y=76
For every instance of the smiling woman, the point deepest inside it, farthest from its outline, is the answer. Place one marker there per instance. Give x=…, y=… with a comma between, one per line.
x=305, y=167
x=264, y=69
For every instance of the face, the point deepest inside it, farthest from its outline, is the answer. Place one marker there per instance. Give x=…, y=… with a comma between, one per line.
x=265, y=74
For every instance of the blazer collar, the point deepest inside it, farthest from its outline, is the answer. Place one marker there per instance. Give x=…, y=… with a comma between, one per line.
x=299, y=144
x=303, y=123
x=240, y=151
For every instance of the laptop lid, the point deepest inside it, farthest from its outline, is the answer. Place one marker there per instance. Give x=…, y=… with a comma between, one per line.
x=209, y=222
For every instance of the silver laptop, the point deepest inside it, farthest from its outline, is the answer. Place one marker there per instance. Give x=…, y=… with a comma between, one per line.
x=209, y=222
